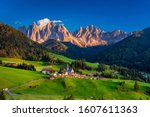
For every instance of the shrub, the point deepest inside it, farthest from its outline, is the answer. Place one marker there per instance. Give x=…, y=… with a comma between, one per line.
x=2, y=95
x=122, y=83
x=1, y=62
x=147, y=92
x=71, y=97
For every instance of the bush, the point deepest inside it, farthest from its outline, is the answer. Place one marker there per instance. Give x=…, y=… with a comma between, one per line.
x=71, y=97
x=122, y=83
x=2, y=95
x=1, y=62
x=147, y=92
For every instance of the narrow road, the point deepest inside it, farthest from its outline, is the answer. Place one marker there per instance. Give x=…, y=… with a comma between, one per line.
x=11, y=89
x=11, y=94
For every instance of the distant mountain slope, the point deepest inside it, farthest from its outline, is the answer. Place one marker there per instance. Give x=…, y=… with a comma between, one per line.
x=133, y=51
x=84, y=37
x=72, y=51
x=55, y=46
x=94, y=36
x=15, y=44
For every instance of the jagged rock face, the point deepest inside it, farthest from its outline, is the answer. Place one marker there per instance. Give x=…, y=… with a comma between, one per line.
x=115, y=36
x=48, y=31
x=94, y=36
x=89, y=36
x=42, y=32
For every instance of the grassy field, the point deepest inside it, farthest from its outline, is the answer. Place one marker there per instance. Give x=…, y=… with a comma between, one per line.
x=11, y=77
x=43, y=88
x=35, y=85
x=39, y=65
x=80, y=89
x=93, y=65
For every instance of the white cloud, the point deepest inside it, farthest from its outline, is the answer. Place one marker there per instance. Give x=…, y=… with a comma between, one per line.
x=57, y=21
x=43, y=22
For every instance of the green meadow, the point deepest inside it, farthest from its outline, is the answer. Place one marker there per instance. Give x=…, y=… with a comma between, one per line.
x=39, y=65
x=34, y=85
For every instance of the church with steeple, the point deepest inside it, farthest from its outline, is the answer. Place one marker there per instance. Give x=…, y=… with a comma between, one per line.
x=69, y=71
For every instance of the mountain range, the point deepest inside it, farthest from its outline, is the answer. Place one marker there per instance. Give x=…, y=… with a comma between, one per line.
x=83, y=37
x=133, y=51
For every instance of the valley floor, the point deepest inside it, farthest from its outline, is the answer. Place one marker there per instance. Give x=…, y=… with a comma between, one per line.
x=33, y=85
x=37, y=86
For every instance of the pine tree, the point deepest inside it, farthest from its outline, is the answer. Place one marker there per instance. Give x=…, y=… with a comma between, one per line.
x=136, y=86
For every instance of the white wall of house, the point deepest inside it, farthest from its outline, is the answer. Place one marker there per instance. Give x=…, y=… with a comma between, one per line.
x=45, y=72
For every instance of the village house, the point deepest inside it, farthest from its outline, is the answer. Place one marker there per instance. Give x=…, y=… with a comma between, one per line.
x=46, y=71
x=68, y=73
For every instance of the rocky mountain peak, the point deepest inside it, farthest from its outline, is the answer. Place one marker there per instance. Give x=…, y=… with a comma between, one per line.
x=87, y=28
x=35, y=25
x=91, y=35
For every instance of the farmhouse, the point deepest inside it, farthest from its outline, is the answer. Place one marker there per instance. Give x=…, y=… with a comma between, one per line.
x=46, y=71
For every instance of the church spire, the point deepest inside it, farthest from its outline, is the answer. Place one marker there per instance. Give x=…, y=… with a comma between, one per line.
x=67, y=67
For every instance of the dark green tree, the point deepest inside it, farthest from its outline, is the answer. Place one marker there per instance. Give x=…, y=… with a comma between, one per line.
x=2, y=95
x=136, y=86
x=102, y=67
x=1, y=62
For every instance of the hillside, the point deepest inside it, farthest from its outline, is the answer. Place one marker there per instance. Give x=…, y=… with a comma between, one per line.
x=72, y=51
x=16, y=45
x=25, y=84
x=132, y=52
x=34, y=85
x=10, y=77
x=55, y=46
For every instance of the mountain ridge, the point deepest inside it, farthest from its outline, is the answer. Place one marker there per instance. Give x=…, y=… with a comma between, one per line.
x=133, y=52
x=83, y=37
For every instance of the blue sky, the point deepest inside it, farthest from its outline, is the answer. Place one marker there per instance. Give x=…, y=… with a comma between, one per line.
x=127, y=15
